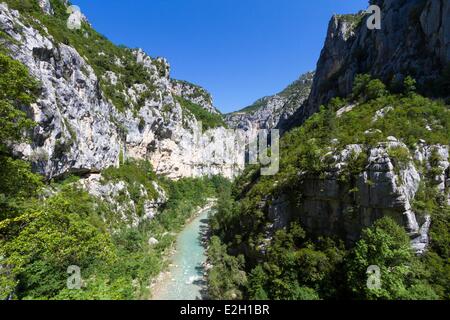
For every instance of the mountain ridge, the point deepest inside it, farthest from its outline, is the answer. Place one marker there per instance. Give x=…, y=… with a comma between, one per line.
x=271, y=112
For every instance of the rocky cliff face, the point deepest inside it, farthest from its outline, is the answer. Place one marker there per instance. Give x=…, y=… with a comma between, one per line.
x=46, y=6
x=87, y=120
x=117, y=195
x=273, y=111
x=414, y=40
x=328, y=206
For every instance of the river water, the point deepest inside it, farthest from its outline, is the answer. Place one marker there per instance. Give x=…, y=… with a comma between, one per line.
x=185, y=280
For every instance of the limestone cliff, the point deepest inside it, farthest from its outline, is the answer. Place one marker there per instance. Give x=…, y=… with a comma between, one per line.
x=92, y=112
x=414, y=40
x=328, y=206
x=194, y=94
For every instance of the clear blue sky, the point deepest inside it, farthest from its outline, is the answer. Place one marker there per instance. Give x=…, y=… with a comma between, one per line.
x=239, y=50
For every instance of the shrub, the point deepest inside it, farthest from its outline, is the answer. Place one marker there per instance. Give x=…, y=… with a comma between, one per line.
x=385, y=245
x=365, y=88
x=409, y=85
x=40, y=244
x=17, y=182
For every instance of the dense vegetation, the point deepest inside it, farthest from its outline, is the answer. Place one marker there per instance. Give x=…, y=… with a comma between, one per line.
x=74, y=228
x=295, y=264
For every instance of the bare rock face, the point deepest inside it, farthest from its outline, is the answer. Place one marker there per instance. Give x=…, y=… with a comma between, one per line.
x=414, y=40
x=331, y=206
x=79, y=130
x=435, y=23
x=46, y=6
x=259, y=119
x=128, y=211
x=75, y=133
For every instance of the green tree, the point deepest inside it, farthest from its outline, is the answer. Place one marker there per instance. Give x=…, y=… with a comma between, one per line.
x=256, y=284
x=365, y=88
x=226, y=279
x=409, y=85
x=39, y=245
x=386, y=245
x=360, y=85
x=444, y=82
x=17, y=90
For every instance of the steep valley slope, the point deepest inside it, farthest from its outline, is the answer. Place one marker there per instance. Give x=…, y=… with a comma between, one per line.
x=364, y=154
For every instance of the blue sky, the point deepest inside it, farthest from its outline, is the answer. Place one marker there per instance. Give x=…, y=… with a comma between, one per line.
x=239, y=50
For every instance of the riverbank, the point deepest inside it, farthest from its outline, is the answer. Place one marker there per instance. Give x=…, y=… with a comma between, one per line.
x=185, y=277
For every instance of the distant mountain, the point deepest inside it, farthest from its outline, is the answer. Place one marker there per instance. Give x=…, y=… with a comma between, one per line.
x=272, y=111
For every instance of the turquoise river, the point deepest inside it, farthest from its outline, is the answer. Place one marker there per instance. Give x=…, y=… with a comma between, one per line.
x=185, y=280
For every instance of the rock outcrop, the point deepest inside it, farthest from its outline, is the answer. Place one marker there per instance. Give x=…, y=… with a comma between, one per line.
x=273, y=111
x=117, y=195
x=329, y=206
x=46, y=6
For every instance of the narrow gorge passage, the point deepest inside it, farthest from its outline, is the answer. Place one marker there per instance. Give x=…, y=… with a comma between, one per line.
x=185, y=278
